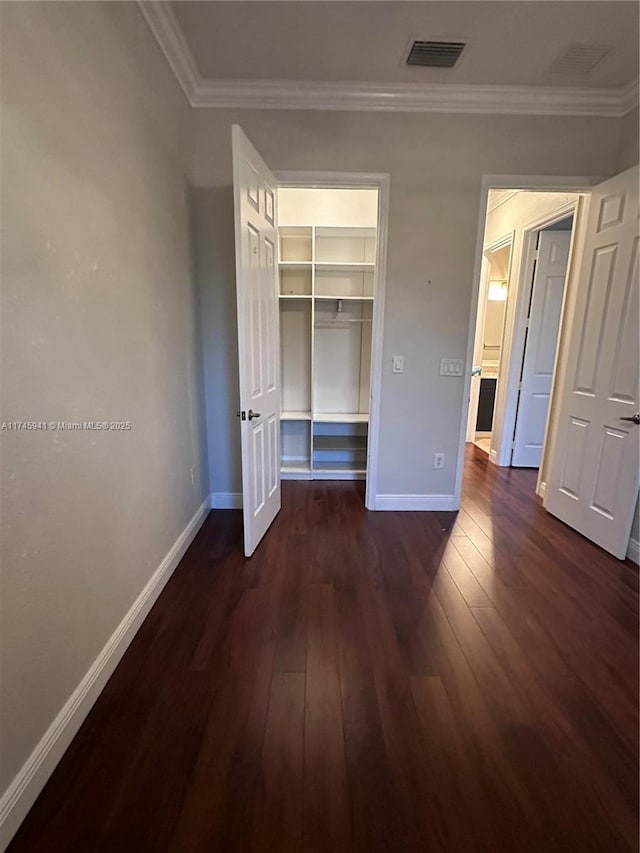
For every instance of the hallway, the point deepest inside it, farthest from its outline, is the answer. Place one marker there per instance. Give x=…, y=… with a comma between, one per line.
x=369, y=682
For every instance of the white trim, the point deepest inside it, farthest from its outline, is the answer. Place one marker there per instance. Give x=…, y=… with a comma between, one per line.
x=377, y=340
x=541, y=489
x=381, y=182
x=225, y=500
x=565, y=183
x=172, y=43
x=502, y=200
x=501, y=242
x=421, y=503
x=505, y=241
x=410, y=97
x=633, y=551
x=31, y=779
x=385, y=97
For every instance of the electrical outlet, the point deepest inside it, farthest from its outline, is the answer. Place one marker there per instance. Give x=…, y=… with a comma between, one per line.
x=192, y=471
x=397, y=364
x=438, y=461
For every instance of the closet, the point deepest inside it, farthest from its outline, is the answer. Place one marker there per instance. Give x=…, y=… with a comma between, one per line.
x=327, y=274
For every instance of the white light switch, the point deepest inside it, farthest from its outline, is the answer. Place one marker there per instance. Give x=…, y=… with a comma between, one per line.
x=397, y=364
x=451, y=367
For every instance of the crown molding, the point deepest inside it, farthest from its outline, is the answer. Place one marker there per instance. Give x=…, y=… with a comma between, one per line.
x=374, y=97
x=440, y=98
x=166, y=31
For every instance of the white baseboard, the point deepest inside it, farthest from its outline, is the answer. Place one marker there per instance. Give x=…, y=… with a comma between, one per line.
x=428, y=503
x=225, y=500
x=633, y=550
x=542, y=490
x=23, y=791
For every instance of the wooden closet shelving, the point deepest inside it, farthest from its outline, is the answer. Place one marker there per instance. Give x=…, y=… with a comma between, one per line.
x=327, y=277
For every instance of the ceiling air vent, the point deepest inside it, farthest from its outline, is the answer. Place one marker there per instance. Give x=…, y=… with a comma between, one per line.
x=435, y=54
x=579, y=59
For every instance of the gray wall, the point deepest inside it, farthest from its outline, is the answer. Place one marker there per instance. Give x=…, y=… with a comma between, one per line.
x=98, y=323
x=628, y=154
x=436, y=163
x=635, y=527
x=212, y=212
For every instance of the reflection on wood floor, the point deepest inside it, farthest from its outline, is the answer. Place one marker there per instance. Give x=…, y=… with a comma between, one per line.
x=369, y=682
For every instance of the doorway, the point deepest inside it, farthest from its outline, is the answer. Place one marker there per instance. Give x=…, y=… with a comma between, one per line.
x=318, y=265
x=332, y=253
x=527, y=242
x=588, y=474
x=488, y=343
x=545, y=281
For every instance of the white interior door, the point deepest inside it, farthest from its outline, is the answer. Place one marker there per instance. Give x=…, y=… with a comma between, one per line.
x=593, y=479
x=255, y=199
x=540, y=350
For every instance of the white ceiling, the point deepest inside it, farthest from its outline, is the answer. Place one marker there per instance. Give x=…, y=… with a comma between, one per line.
x=508, y=43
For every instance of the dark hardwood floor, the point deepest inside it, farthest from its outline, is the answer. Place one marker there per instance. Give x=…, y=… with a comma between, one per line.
x=369, y=682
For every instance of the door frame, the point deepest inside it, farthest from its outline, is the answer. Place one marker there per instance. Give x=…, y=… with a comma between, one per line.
x=499, y=243
x=381, y=182
x=541, y=183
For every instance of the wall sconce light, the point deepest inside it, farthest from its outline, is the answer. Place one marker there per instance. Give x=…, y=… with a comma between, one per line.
x=497, y=290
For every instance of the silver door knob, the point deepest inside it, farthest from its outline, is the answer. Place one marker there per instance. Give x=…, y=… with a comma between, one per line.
x=253, y=415
x=635, y=419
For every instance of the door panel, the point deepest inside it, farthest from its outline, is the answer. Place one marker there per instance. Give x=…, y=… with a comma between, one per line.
x=594, y=472
x=574, y=460
x=540, y=349
x=624, y=373
x=610, y=461
x=597, y=310
x=258, y=337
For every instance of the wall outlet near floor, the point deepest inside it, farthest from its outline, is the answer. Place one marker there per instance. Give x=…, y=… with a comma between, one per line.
x=438, y=461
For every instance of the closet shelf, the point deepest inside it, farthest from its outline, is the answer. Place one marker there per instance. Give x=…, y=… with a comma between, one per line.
x=338, y=324
x=290, y=467
x=354, y=443
x=326, y=297
x=295, y=416
x=335, y=467
x=326, y=291
x=345, y=231
x=339, y=266
x=341, y=417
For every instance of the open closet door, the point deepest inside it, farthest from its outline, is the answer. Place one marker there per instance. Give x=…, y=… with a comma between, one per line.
x=255, y=200
x=540, y=349
x=593, y=478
